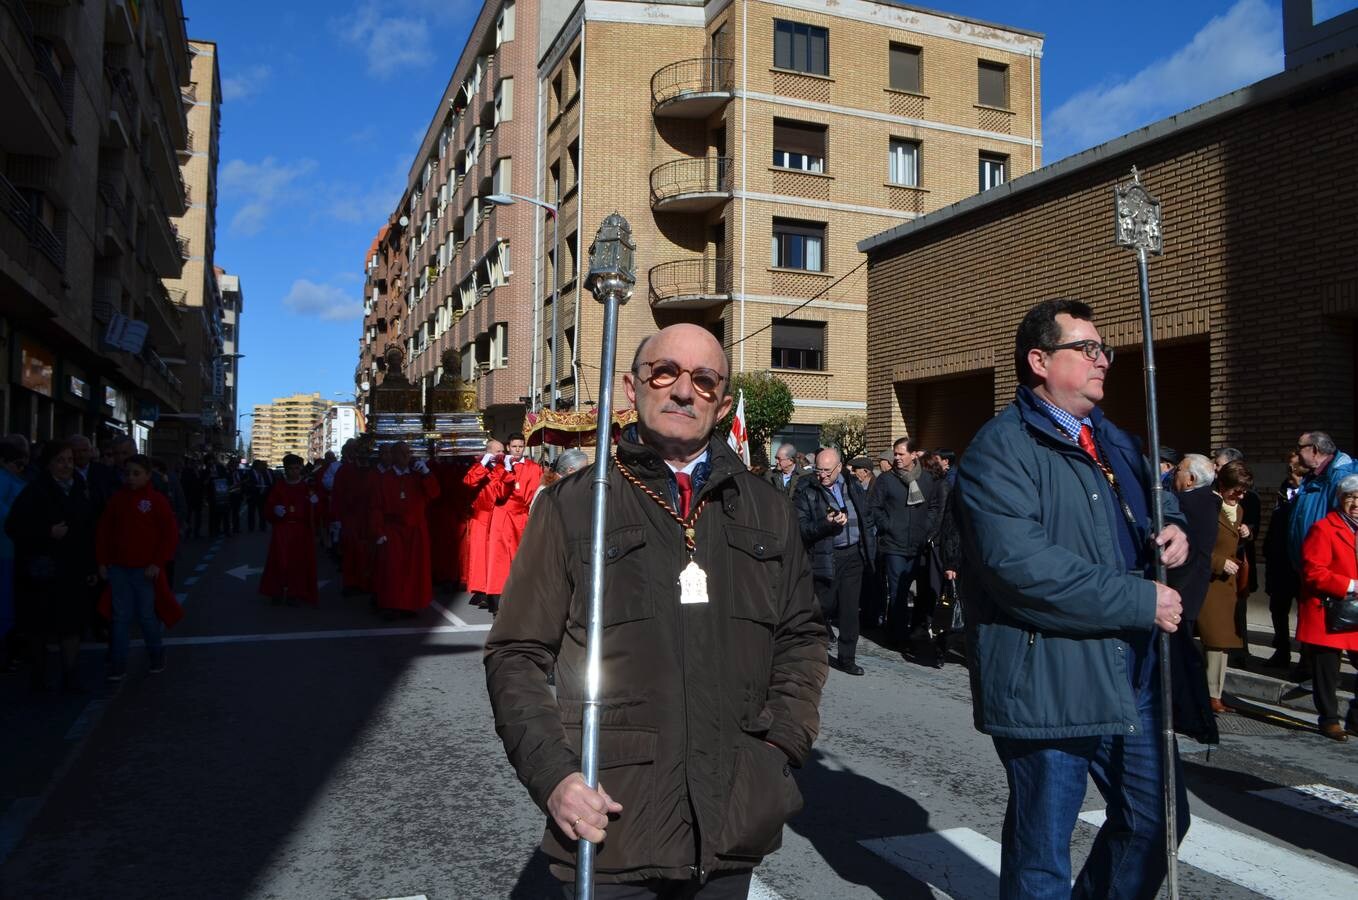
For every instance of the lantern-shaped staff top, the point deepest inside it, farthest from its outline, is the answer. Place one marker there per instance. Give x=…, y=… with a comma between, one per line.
x=612, y=260
x=1137, y=220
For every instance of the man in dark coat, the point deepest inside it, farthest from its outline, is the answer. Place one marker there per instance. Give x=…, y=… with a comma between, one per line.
x=785, y=475
x=1053, y=505
x=833, y=514
x=714, y=653
x=907, y=507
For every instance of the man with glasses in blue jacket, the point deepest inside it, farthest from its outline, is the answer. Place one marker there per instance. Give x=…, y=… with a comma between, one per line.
x=1053, y=504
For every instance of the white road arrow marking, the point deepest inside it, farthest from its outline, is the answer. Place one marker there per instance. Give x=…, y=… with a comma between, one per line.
x=243, y=572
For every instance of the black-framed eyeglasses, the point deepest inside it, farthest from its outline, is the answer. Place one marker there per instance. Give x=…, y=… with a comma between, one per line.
x=821, y=470
x=665, y=372
x=1091, y=349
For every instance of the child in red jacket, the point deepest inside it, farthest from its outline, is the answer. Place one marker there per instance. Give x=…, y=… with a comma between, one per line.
x=137, y=533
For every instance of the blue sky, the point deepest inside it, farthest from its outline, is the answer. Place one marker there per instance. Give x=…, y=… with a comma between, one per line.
x=325, y=104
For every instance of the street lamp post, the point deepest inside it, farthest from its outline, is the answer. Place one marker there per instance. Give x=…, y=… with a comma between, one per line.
x=554, y=211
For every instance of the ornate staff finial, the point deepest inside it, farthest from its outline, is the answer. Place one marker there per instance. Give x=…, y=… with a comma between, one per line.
x=1137, y=219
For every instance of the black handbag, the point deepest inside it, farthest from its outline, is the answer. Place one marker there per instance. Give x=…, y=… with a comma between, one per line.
x=1341, y=613
x=947, y=617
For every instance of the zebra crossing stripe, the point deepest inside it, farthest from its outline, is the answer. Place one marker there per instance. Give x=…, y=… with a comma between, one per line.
x=1331, y=803
x=1253, y=863
x=761, y=891
x=959, y=862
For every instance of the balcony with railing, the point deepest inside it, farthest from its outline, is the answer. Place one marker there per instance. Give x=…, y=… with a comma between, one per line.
x=35, y=118
x=697, y=283
x=693, y=88
x=691, y=185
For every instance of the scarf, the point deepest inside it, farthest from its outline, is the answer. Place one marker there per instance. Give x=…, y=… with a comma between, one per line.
x=914, y=496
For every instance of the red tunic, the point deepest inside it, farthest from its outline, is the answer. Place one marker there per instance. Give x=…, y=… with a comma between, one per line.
x=514, y=490
x=1327, y=565
x=291, y=566
x=448, y=524
x=400, y=514
x=478, y=483
x=350, y=495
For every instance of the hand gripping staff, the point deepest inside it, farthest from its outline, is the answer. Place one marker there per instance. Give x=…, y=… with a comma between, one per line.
x=612, y=273
x=1137, y=227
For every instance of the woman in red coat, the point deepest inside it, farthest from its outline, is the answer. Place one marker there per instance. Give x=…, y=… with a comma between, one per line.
x=400, y=528
x=1329, y=568
x=137, y=534
x=294, y=510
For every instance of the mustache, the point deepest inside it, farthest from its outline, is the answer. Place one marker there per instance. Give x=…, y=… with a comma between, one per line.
x=671, y=406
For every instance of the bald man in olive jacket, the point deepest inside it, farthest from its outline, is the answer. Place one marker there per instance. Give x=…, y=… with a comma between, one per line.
x=706, y=706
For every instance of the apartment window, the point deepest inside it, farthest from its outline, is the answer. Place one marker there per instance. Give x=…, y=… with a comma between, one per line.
x=502, y=178
x=504, y=24
x=499, y=345
x=903, y=163
x=557, y=95
x=994, y=170
x=576, y=65
x=468, y=362
x=573, y=176
x=504, y=100
x=801, y=47
x=799, y=145
x=571, y=247
x=554, y=181
x=798, y=345
x=992, y=84
x=798, y=245
x=906, y=72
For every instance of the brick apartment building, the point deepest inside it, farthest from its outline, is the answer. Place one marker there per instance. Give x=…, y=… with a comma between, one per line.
x=750, y=147
x=91, y=97
x=1254, y=298
x=233, y=305
x=285, y=426
x=197, y=291
x=440, y=274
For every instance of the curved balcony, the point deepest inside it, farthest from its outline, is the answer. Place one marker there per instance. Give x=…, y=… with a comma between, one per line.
x=693, y=88
x=691, y=185
x=697, y=283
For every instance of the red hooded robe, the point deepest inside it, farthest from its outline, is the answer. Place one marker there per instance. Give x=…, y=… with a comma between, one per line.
x=513, y=491
x=400, y=514
x=291, y=565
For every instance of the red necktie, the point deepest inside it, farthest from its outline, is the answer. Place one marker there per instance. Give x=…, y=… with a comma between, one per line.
x=685, y=482
x=1087, y=444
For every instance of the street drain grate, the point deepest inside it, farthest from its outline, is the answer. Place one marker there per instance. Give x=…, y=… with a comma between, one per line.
x=1245, y=725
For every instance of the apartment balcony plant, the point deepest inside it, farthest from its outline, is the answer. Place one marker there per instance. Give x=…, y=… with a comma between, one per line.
x=693, y=88
x=691, y=185
x=697, y=283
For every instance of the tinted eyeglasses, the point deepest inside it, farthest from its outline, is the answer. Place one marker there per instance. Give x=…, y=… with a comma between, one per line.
x=661, y=373
x=1091, y=349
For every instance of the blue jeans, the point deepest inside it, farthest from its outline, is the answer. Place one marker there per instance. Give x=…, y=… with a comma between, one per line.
x=900, y=573
x=133, y=599
x=1046, y=787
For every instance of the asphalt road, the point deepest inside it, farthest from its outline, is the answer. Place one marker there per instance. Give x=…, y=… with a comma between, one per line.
x=323, y=753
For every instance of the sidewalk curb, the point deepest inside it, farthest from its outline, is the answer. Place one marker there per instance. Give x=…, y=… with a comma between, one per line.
x=1273, y=691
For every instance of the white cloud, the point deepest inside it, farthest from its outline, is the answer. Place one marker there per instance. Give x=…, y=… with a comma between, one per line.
x=357, y=205
x=245, y=82
x=324, y=301
x=260, y=187
x=1237, y=48
x=390, y=42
